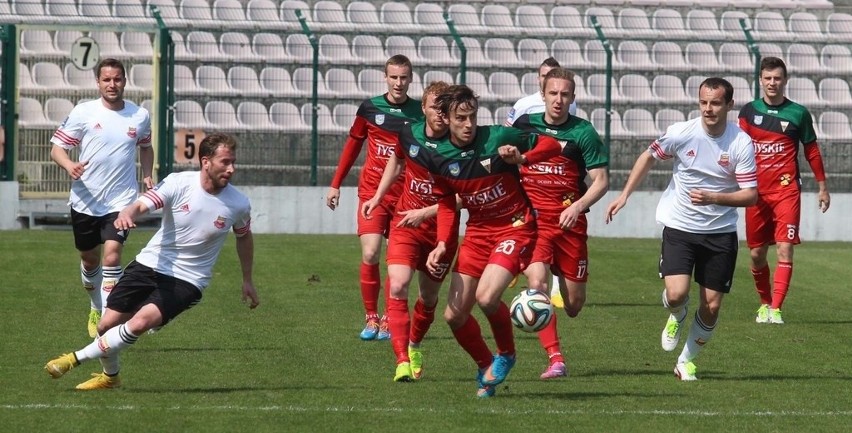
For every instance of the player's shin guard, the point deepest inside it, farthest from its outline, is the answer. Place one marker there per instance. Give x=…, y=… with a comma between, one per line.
x=110, y=364
x=783, y=275
x=112, y=342
x=111, y=275
x=399, y=323
x=761, y=283
x=549, y=339
x=699, y=335
x=92, y=281
x=370, y=286
x=501, y=326
x=421, y=320
x=469, y=337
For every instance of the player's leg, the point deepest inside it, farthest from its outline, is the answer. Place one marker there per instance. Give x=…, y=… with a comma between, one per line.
x=677, y=260
x=787, y=211
x=87, y=241
x=399, y=277
x=760, y=226
x=371, y=244
x=113, y=244
x=548, y=337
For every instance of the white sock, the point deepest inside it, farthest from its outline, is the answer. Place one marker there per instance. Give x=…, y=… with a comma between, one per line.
x=699, y=335
x=110, y=364
x=92, y=283
x=554, y=286
x=679, y=311
x=115, y=340
x=111, y=276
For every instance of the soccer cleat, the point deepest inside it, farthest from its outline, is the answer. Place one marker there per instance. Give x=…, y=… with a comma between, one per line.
x=671, y=334
x=556, y=300
x=403, y=373
x=384, y=332
x=762, y=314
x=92, y=324
x=514, y=282
x=775, y=316
x=371, y=329
x=496, y=373
x=100, y=381
x=484, y=391
x=685, y=371
x=416, y=357
x=555, y=370
x=61, y=365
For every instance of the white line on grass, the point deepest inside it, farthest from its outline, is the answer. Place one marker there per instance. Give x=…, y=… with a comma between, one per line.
x=329, y=409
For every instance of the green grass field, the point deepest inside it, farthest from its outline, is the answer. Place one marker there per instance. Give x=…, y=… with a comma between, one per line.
x=296, y=363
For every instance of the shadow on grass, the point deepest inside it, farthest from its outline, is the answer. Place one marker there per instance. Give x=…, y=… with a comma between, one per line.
x=228, y=390
x=824, y=322
x=722, y=376
x=507, y=391
x=622, y=304
x=205, y=349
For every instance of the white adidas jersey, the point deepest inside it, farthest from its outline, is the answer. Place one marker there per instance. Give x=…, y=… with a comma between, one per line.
x=108, y=140
x=531, y=104
x=720, y=164
x=195, y=225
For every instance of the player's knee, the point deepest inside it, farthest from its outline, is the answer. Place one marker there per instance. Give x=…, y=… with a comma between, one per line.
x=454, y=318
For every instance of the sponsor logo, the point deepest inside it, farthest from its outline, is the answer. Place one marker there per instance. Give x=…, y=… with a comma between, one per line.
x=551, y=131
x=184, y=208
x=380, y=119
x=768, y=148
x=700, y=341
x=384, y=149
x=690, y=153
x=567, y=199
x=518, y=219
x=395, y=110
x=758, y=119
x=98, y=126
x=724, y=160
x=772, y=111
x=219, y=223
x=784, y=125
x=486, y=164
x=786, y=179
x=413, y=151
x=485, y=196
x=420, y=186
x=548, y=168
x=108, y=285
x=131, y=132
x=454, y=169
x=465, y=154
x=103, y=345
x=430, y=145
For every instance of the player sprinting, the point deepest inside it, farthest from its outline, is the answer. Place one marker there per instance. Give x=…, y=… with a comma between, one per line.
x=413, y=235
x=777, y=125
x=559, y=194
x=479, y=164
x=171, y=272
x=106, y=133
x=377, y=121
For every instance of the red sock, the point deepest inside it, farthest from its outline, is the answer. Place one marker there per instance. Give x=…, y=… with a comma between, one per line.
x=783, y=275
x=387, y=294
x=470, y=339
x=761, y=283
x=501, y=326
x=399, y=322
x=549, y=339
x=370, y=278
x=421, y=320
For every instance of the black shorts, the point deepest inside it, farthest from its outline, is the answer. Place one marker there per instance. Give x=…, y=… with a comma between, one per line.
x=141, y=285
x=712, y=257
x=91, y=231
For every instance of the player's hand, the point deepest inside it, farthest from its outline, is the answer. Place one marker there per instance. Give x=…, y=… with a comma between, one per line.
x=332, y=198
x=700, y=197
x=824, y=201
x=511, y=154
x=123, y=221
x=250, y=295
x=569, y=217
x=367, y=208
x=433, y=261
x=148, y=181
x=77, y=169
x=413, y=217
x=614, y=207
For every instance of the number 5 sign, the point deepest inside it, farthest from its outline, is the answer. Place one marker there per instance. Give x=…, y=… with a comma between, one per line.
x=85, y=53
x=186, y=145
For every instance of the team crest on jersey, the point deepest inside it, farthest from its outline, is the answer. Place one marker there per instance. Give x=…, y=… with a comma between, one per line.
x=518, y=219
x=131, y=132
x=567, y=199
x=413, y=151
x=724, y=160
x=786, y=179
x=784, y=125
x=758, y=119
x=219, y=223
x=380, y=119
x=455, y=170
x=486, y=164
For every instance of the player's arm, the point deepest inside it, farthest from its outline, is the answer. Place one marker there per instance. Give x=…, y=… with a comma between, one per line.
x=245, y=252
x=126, y=219
x=448, y=217
x=351, y=150
x=745, y=172
x=60, y=156
x=814, y=157
x=391, y=173
x=146, y=160
x=640, y=169
x=599, y=187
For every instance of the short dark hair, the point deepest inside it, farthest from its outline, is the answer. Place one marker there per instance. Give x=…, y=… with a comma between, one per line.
x=550, y=61
x=398, y=60
x=770, y=63
x=456, y=96
x=210, y=143
x=560, y=73
x=109, y=62
x=714, y=83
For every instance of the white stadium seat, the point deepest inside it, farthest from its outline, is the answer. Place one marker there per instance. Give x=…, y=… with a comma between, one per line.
x=334, y=50
x=635, y=22
x=838, y=27
x=287, y=118
x=730, y=25
x=203, y=45
x=368, y=50
x=270, y=47
x=344, y=114
x=501, y=52
x=568, y=53
x=806, y=27
x=31, y=114
x=136, y=44
x=47, y=75
x=299, y=48
x=185, y=81
x=342, y=84
x=835, y=126
x=701, y=57
x=303, y=83
x=637, y=90
x=190, y=114
x=837, y=59
x=325, y=122
x=531, y=52
x=80, y=79
x=57, y=109
x=475, y=55
x=253, y=116
x=640, y=122
x=505, y=86
x=244, y=81
x=372, y=82
x=703, y=25
x=569, y=23
x=435, y=52
x=634, y=56
x=532, y=20
x=141, y=77
x=237, y=46
x=221, y=115
x=276, y=82
x=395, y=15
x=498, y=20
x=667, y=117
x=803, y=90
x=803, y=59
x=669, y=22
x=429, y=18
x=330, y=17
x=263, y=14
x=835, y=92
x=364, y=17
x=771, y=26
x=466, y=19
x=736, y=57
x=212, y=80
x=669, y=89
x=400, y=44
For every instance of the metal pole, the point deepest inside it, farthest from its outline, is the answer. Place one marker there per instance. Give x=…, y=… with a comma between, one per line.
x=314, y=96
x=462, y=49
x=755, y=51
x=8, y=106
x=166, y=97
x=608, y=101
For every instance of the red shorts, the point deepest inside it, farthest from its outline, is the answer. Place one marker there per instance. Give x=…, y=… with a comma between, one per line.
x=509, y=247
x=565, y=251
x=409, y=246
x=775, y=218
x=379, y=222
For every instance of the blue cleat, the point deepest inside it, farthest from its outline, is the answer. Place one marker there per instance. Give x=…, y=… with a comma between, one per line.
x=484, y=391
x=384, y=331
x=371, y=329
x=499, y=369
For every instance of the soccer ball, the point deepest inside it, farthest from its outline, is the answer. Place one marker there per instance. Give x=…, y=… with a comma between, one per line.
x=531, y=310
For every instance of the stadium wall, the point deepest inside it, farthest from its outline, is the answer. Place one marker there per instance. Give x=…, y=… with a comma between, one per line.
x=302, y=210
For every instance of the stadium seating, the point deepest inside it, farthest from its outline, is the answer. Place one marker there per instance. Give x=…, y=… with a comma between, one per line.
x=501, y=52
x=531, y=20
x=368, y=50
x=190, y=114
x=57, y=109
x=31, y=114
x=334, y=50
x=221, y=115
x=253, y=115
x=806, y=27
x=568, y=53
x=702, y=57
x=230, y=14
x=64, y=39
x=669, y=22
x=569, y=22
x=400, y=44
x=185, y=81
x=637, y=90
x=276, y=82
x=501, y=114
x=213, y=81
x=595, y=55
x=435, y=75
x=94, y=8
x=742, y=90
x=837, y=59
x=79, y=79
x=65, y=12
x=803, y=59
x=835, y=125
x=771, y=26
x=129, y=11
x=435, y=52
x=803, y=90
x=835, y=92
x=288, y=18
x=476, y=81
x=498, y=20
x=136, y=44
x=342, y=84
x=475, y=55
x=244, y=81
x=635, y=22
x=838, y=27
x=37, y=43
x=141, y=77
x=505, y=87
x=634, y=56
x=703, y=22
x=415, y=89
x=667, y=117
x=299, y=48
x=596, y=89
x=364, y=17
x=531, y=52
x=605, y=19
x=598, y=119
x=202, y=45
x=466, y=19
x=484, y=117
x=640, y=122
x=344, y=115
x=325, y=122
x=397, y=16
x=668, y=56
x=303, y=83
x=48, y=76
x=429, y=18
x=729, y=24
x=736, y=57
x=286, y=116
x=330, y=17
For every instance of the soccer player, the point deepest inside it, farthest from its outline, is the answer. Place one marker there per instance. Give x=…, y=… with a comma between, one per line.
x=530, y=104
x=171, y=272
x=106, y=133
x=559, y=194
x=479, y=164
x=378, y=121
x=413, y=235
x=777, y=125
x=714, y=172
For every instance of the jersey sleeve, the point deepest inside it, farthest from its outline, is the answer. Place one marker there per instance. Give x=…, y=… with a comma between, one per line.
x=351, y=150
x=144, y=132
x=162, y=194
x=243, y=224
x=595, y=153
x=746, y=168
x=664, y=147
x=71, y=131
x=807, y=134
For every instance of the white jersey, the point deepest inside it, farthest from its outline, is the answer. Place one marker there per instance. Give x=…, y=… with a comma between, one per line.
x=718, y=164
x=108, y=140
x=195, y=225
x=531, y=104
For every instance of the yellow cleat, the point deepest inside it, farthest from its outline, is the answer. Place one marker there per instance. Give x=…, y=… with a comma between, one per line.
x=514, y=282
x=100, y=381
x=59, y=366
x=403, y=373
x=92, y=324
x=416, y=357
x=556, y=300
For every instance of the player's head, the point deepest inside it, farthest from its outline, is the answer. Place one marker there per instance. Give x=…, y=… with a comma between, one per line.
x=545, y=67
x=111, y=79
x=773, y=79
x=434, y=119
x=459, y=104
x=398, y=77
x=217, y=154
x=715, y=100
x=558, y=93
